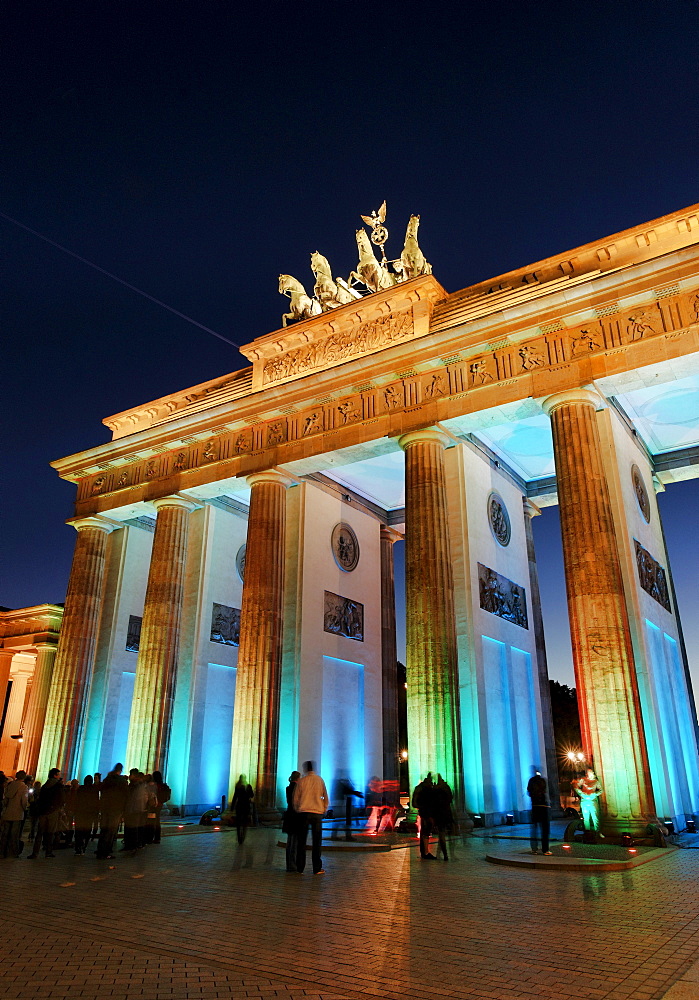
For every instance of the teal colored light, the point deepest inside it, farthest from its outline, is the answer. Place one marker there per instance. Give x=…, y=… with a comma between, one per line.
x=343, y=750
x=113, y=751
x=214, y=736
x=500, y=762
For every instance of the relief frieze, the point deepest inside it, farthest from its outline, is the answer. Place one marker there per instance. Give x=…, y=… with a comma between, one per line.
x=614, y=329
x=372, y=336
x=343, y=617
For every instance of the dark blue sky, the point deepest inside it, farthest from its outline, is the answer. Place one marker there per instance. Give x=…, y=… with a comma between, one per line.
x=197, y=149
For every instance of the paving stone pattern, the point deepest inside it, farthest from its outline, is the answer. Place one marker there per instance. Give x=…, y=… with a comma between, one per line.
x=199, y=917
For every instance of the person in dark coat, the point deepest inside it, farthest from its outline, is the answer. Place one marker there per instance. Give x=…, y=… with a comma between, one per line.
x=423, y=801
x=441, y=812
x=87, y=807
x=113, y=791
x=242, y=803
x=541, y=812
x=290, y=824
x=163, y=794
x=50, y=804
x=15, y=799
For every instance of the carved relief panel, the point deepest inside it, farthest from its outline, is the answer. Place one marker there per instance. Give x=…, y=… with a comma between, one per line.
x=343, y=617
x=225, y=625
x=651, y=576
x=500, y=596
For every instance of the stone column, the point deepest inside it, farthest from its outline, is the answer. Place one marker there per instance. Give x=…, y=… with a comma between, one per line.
x=5, y=665
x=255, y=744
x=10, y=749
x=72, y=675
x=605, y=672
x=35, y=713
x=531, y=511
x=434, y=731
x=156, y=667
x=389, y=658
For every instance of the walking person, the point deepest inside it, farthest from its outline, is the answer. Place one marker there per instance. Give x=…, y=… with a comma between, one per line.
x=310, y=803
x=537, y=791
x=15, y=800
x=290, y=823
x=49, y=810
x=242, y=803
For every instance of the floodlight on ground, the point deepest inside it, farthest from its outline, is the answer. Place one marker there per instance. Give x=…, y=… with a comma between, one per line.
x=509, y=819
x=691, y=826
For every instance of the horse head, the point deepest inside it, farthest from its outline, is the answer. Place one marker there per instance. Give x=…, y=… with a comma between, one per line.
x=289, y=284
x=364, y=246
x=320, y=265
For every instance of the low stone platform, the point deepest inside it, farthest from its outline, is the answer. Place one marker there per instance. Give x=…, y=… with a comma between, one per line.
x=577, y=857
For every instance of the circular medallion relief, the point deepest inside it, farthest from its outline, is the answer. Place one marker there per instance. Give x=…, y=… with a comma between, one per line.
x=240, y=562
x=499, y=518
x=345, y=547
x=639, y=488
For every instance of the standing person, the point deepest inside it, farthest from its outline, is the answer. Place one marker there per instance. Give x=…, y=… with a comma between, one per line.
x=423, y=801
x=15, y=800
x=290, y=823
x=113, y=792
x=69, y=809
x=87, y=806
x=135, y=811
x=242, y=803
x=310, y=803
x=541, y=812
x=441, y=813
x=49, y=808
x=163, y=793
x=34, y=809
x=589, y=790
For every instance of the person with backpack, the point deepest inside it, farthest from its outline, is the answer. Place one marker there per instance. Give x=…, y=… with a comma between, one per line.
x=163, y=794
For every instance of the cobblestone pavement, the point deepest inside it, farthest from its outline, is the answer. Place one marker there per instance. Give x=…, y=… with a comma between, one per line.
x=199, y=917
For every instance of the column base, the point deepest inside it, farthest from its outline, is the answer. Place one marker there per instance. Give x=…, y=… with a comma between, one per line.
x=636, y=826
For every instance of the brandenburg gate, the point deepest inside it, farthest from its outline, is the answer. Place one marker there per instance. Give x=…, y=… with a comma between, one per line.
x=231, y=601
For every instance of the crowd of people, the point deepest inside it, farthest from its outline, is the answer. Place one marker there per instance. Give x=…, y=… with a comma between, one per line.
x=56, y=814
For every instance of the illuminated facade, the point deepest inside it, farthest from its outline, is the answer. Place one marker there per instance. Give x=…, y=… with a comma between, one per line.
x=449, y=419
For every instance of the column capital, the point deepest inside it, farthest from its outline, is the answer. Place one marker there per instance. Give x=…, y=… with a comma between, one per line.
x=590, y=396
x=271, y=476
x=530, y=509
x=176, y=500
x=46, y=645
x=425, y=434
x=80, y=523
x=390, y=534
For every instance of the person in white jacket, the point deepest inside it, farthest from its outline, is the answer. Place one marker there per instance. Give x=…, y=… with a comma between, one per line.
x=15, y=802
x=310, y=803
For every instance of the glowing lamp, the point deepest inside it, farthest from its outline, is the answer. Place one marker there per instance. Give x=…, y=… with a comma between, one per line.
x=691, y=826
x=180, y=827
x=404, y=754
x=509, y=819
x=217, y=828
x=566, y=847
x=670, y=825
x=633, y=850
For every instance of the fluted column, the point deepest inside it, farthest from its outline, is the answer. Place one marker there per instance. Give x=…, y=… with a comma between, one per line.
x=9, y=748
x=610, y=711
x=389, y=658
x=434, y=735
x=6, y=656
x=258, y=680
x=72, y=675
x=530, y=511
x=156, y=667
x=35, y=712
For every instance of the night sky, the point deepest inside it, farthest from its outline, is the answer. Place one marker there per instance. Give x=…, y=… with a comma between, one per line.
x=198, y=149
